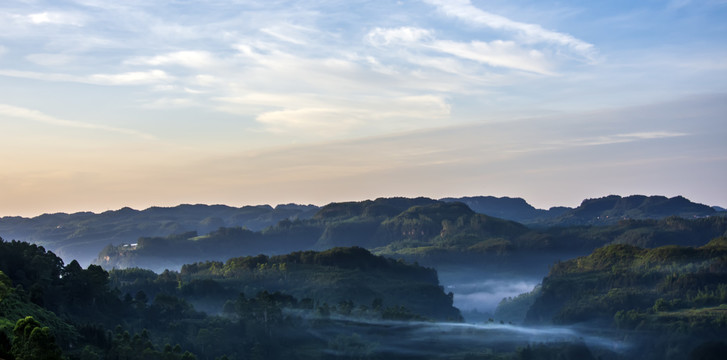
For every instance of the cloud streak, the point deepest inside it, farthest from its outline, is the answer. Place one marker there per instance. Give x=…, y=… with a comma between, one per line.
x=529, y=33
x=497, y=53
x=37, y=116
x=52, y=18
x=616, y=139
x=123, y=79
x=187, y=58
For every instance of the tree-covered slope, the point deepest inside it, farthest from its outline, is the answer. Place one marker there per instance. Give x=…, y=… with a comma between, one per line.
x=453, y=227
x=625, y=277
x=350, y=276
x=613, y=208
x=516, y=209
x=82, y=235
x=678, y=292
x=430, y=232
x=607, y=210
x=49, y=310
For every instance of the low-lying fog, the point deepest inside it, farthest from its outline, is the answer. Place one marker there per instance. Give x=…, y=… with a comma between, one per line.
x=478, y=293
x=484, y=295
x=431, y=338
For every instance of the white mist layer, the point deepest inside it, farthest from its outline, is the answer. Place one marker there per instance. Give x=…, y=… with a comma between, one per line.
x=432, y=338
x=483, y=296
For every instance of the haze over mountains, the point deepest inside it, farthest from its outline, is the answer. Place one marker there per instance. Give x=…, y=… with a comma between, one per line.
x=605, y=210
x=82, y=235
x=342, y=279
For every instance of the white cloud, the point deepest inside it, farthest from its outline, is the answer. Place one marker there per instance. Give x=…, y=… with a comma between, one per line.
x=193, y=91
x=170, y=103
x=41, y=76
x=609, y=139
x=418, y=106
x=652, y=135
x=37, y=116
x=320, y=121
x=55, y=18
x=130, y=78
x=351, y=116
x=388, y=36
x=294, y=34
x=529, y=33
x=206, y=80
x=187, y=58
x=497, y=53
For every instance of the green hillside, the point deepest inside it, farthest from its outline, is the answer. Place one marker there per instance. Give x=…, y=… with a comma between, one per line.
x=678, y=292
x=82, y=235
x=350, y=276
x=309, y=301
x=607, y=210
x=429, y=232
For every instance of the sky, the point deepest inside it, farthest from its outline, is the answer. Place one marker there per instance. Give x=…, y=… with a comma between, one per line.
x=106, y=104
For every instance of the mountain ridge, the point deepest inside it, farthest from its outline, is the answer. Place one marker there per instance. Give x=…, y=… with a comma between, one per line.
x=593, y=211
x=82, y=235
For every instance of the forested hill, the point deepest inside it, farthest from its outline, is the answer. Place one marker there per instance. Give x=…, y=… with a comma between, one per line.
x=53, y=311
x=82, y=235
x=607, y=210
x=349, y=277
x=611, y=209
x=515, y=209
x=370, y=224
x=677, y=292
x=431, y=232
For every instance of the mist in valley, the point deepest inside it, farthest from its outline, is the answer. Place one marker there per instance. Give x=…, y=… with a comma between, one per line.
x=348, y=336
x=473, y=297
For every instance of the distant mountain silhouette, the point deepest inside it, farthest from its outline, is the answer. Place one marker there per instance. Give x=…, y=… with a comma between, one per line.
x=515, y=209
x=430, y=232
x=82, y=235
x=370, y=224
x=611, y=209
x=600, y=211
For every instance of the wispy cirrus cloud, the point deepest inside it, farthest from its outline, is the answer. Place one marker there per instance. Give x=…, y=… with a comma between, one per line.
x=52, y=18
x=37, y=116
x=591, y=141
x=130, y=78
x=186, y=58
x=528, y=33
x=290, y=33
x=506, y=54
x=497, y=53
x=294, y=54
x=123, y=79
x=336, y=119
x=393, y=36
x=617, y=138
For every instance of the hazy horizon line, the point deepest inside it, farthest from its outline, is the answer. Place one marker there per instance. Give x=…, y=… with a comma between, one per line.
x=97, y=211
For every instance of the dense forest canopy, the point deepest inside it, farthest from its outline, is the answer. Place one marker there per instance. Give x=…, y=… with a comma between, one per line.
x=343, y=280
x=137, y=314
x=430, y=232
x=81, y=236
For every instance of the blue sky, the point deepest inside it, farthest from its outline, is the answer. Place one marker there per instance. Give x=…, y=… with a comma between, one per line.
x=105, y=104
